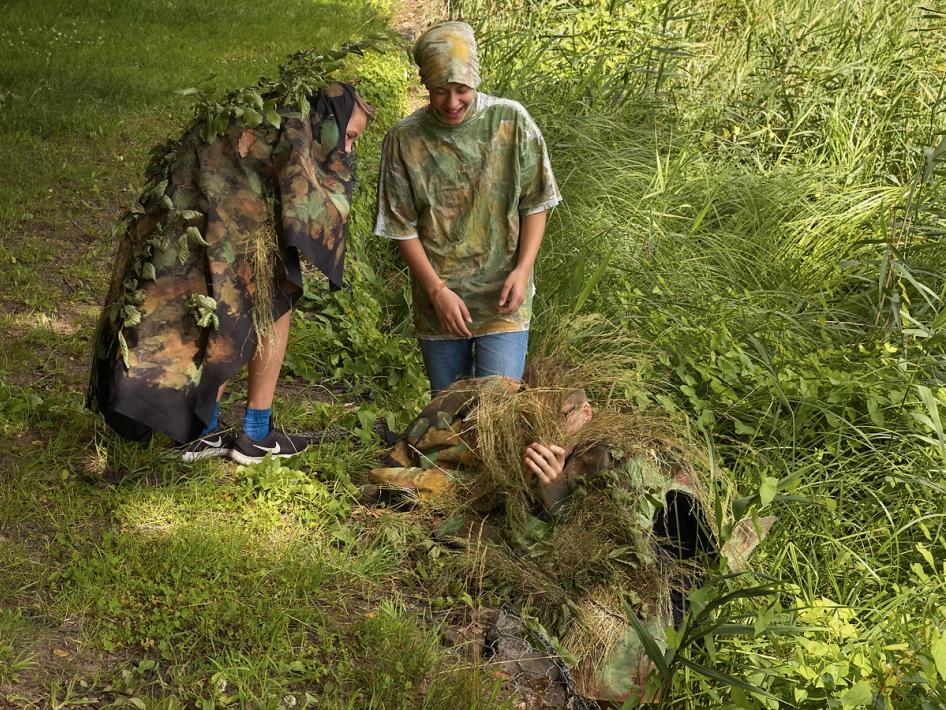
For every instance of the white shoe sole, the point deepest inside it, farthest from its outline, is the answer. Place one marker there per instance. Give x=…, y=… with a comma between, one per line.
x=191, y=456
x=247, y=460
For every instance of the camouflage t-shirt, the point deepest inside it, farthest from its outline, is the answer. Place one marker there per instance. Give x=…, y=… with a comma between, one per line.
x=463, y=190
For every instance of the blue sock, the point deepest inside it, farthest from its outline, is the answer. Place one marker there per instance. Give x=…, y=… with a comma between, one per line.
x=212, y=424
x=256, y=423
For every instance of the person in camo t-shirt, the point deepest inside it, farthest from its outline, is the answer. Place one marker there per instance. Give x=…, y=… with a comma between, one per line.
x=464, y=188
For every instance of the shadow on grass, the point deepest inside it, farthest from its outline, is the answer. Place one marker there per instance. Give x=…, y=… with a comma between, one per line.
x=135, y=575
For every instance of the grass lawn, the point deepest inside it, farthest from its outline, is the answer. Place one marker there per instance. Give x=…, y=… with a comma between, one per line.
x=753, y=208
x=129, y=578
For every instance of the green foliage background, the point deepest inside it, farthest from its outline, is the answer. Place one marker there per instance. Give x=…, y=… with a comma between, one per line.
x=753, y=194
x=755, y=191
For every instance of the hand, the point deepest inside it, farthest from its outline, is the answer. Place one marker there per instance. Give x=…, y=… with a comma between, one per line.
x=546, y=462
x=452, y=313
x=513, y=294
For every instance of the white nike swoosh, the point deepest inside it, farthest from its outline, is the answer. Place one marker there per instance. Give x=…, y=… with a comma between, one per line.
x=214, y=442
x=271, y=449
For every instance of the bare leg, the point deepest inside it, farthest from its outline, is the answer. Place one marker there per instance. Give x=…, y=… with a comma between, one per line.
x=249, y=446
x=265, y=365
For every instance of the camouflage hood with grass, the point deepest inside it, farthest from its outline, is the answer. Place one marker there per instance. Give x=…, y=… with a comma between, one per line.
x=630, y=538
x=210, y=257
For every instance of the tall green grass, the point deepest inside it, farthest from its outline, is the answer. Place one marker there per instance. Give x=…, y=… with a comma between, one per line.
x=126, y=576
x=755, y=191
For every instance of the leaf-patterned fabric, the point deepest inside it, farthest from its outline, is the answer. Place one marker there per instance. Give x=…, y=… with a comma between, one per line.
x=447, y=53
x=178, y=319
x=463, y=190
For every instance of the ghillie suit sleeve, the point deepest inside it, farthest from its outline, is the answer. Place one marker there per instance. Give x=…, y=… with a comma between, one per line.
x=209, y=256
x=438, y=442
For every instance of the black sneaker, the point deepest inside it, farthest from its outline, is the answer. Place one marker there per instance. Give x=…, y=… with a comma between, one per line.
x=216, y=443
x=277, y=443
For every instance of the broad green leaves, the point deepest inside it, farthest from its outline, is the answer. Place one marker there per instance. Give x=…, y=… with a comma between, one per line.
x=938, y=652
x=204, y=310
x=768, y=490
x=860, y=694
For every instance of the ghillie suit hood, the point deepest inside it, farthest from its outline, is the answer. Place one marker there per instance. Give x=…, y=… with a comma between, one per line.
x=209, y=256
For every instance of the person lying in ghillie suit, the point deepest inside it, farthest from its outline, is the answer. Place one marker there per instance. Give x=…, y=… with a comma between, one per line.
x=580, y=517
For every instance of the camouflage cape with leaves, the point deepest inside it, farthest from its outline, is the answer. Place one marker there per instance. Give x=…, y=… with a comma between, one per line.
x=627, y=537
x=210, y=254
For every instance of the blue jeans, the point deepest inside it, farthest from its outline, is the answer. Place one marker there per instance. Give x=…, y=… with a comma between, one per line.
x=494, y=354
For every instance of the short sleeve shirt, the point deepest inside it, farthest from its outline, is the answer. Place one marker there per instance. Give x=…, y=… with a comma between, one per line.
x=462, y=190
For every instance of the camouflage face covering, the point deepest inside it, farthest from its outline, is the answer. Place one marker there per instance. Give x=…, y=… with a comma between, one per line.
x=463, y=190
x=447, y=53
x=222, y=238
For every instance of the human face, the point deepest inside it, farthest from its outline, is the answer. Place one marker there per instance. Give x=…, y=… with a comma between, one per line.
x=356, y=126
x=576, y=412
x=451, y=101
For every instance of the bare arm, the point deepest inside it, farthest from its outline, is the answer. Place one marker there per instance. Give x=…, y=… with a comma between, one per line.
x=417, y=261
x=531, y=232
x=450, y=308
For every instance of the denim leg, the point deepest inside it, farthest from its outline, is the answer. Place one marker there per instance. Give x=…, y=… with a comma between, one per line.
x=446, y=361
x=501, y=354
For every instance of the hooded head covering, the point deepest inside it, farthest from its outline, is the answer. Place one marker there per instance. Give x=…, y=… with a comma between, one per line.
x=447, y=53
x=316, y=183
x=160, y=369
x=334, y=104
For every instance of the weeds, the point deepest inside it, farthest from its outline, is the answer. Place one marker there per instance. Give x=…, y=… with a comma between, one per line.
x=756, y=205
x=753, y=216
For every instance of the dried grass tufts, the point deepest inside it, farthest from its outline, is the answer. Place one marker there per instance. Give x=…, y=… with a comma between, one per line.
x=581, y=573
x=588, y=352
x=264, y=254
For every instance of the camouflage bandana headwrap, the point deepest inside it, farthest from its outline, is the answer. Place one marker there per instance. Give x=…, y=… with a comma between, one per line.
x=258, y=198
x=447, y=53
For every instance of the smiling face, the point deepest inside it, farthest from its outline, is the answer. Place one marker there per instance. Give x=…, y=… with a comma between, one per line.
x=451, y=101
x=356, y=126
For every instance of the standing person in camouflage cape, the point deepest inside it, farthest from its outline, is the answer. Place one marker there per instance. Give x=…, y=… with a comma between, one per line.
x=208, y=270
x=647, y=508
x=464, y=187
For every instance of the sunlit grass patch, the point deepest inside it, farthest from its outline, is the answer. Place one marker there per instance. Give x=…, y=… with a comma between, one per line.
x=71, y=74
x=21, y=566
x=253, y=590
